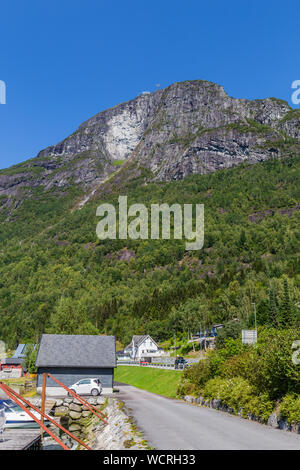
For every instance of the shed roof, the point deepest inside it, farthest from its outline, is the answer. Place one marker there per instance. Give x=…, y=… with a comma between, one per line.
x=76, y=351
x=12, y=361
x=21, y=350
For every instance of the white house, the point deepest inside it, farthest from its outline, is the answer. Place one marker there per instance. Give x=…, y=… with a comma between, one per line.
x=142, y=346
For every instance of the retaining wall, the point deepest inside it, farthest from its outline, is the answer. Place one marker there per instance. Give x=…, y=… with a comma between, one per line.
x=275, y=420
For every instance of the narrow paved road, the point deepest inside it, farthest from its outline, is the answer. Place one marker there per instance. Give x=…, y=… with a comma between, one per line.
x=172, y=424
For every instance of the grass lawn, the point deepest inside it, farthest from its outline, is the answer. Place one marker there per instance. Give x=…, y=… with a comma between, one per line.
x=160, y=381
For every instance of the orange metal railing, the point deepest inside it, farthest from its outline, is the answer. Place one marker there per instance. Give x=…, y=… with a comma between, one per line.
x=8, y=391
x=19, y=400
x=16, y=398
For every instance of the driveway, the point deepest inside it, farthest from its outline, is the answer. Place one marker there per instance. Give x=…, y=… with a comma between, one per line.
x=173, y=424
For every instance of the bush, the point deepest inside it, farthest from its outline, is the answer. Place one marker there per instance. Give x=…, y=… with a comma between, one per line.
x=198, y=374
x=239, y=365
x=290, y=408
x=219, y=357
x=268, y=366
x=260, y=406
x=239, y=395
x=185, y=349
x=29, y=360
x=235, y=392
x=189, y=389
x=272, y=369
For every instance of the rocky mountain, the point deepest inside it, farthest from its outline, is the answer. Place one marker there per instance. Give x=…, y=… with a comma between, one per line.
x=56, y=276
x=189, y=127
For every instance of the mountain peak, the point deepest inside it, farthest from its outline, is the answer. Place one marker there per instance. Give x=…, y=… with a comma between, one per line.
x=188, y=127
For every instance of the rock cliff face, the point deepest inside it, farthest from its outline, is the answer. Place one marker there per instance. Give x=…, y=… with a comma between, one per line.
x=198, y=128
x=189, y=127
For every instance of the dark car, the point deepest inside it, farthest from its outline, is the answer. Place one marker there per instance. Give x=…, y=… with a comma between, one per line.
x=180, y=363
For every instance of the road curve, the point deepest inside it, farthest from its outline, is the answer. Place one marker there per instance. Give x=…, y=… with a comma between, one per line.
x=173, y=424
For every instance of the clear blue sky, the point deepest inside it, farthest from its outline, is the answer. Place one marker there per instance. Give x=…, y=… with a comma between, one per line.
x=64, y=61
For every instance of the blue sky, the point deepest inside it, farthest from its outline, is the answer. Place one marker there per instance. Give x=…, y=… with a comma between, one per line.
x=64, y=61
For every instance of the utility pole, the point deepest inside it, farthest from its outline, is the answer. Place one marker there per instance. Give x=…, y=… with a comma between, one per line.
x=133, y=349
x=200, y=339
x=254, y=306
x=175, y=344
x=43, y=401
x=255, y=324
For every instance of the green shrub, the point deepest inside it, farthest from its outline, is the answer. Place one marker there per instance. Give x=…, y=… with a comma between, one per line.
x=235, y=392
x=29, y=360
x=260, y=406
x=272, y=370
x=185, y=349
x=290, y=408
x=190, y=389
x=239, y=395
x=267, y=366
x=218, y=358
x=239, y=365
x=198, y=374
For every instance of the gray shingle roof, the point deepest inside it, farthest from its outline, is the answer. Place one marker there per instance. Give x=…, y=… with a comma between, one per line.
x=21, y=350
x=138, y=339
x=76, y=351
x=12, y=361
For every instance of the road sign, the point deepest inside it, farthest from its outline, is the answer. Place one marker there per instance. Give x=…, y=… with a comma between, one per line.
x=249, y=336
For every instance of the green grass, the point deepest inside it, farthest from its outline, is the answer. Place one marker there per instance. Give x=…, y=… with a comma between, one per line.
x=162, y=382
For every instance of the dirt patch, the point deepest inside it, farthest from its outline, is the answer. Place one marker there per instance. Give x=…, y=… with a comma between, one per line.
x=260, y=215
x=122, y=255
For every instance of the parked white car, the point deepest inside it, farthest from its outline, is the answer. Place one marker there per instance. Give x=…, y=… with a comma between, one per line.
x=87, y=387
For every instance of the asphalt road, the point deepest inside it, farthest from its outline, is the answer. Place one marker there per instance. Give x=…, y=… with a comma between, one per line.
x=172, y=424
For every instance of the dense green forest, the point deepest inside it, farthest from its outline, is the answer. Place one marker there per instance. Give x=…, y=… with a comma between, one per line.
x=57, y=277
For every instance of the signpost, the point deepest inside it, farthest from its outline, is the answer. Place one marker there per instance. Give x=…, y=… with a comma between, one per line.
x=249, y=336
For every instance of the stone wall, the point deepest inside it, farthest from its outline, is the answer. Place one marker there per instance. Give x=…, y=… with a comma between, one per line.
x=275, y=420
x=120, y=433
x=13, y=374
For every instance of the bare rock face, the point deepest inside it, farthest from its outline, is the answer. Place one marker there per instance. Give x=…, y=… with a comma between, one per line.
x=189, y=127
x=198, y=128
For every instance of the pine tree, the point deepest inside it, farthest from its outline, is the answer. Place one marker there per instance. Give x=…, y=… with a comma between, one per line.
x=273, y=314
x=287, y=312
x=242, y=239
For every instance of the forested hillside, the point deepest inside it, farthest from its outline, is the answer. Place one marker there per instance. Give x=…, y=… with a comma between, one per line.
x=56, y=276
